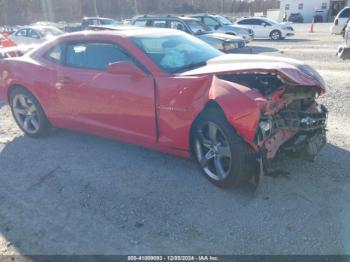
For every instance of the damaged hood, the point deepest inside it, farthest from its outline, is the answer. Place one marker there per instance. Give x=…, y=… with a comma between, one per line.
x=240, y=62
x=290, y=69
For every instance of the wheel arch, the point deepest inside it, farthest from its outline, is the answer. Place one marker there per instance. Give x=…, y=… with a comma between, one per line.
x=211, y=104
x=13, y=87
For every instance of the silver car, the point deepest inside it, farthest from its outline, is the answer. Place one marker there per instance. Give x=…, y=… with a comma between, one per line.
x=223, y=42
x=221, y=24
x=33, y=35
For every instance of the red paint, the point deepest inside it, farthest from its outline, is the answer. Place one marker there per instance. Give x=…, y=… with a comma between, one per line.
x=155, y=110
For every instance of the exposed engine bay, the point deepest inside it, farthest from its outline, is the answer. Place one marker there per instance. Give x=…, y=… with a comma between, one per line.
x=292, y=120
x=266, y=83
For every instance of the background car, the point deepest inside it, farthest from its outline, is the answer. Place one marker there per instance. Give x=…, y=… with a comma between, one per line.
x=87, y=21
x=344, y=50
x=167, y=90
x=73, y=27
x=296, y=18
x=340, y=21
x=347, y=35
x=221, y=24
x=34, y=35
x=267, y=28
x=223, y=42
x=320, y=16
x=15, y=51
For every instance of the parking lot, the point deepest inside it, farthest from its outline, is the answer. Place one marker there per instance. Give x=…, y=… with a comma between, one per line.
x=73, y=193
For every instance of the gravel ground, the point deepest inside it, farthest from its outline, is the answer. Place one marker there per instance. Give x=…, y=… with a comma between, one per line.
x=78, y=194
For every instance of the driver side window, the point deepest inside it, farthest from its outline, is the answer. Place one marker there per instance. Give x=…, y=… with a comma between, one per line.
x=264, y=23
x=94, y=55
x=210, y=21
x=22, y=32
x=33, y=34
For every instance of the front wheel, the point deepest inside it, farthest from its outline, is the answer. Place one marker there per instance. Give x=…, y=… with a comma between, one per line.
x=28, y=113
x=225, y=159
x=276, y=35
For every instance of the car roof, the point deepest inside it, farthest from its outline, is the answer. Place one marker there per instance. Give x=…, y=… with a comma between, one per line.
x=115, y=27
x=253, y=17
x=96, y=17
x=37, y=27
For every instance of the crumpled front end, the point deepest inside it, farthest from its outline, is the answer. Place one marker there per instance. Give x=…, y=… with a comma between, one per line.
x=290, y=118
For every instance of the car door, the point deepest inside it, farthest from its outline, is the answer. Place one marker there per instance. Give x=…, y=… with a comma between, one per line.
x=118, y=105
x=262, y=27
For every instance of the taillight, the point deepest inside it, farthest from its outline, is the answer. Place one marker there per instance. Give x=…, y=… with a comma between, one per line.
x=336, y=22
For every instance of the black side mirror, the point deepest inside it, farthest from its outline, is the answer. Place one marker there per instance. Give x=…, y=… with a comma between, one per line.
x=217, y=27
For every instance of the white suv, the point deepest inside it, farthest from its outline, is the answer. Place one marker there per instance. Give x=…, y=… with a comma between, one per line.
x=340, y=21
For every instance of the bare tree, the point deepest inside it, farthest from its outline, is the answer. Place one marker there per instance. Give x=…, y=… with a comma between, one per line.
x=28, y=11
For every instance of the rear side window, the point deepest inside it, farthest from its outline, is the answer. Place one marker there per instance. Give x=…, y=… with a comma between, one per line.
x=141, y=23
x=94, y=55
x=159, y=23
x=210, y=21
x=249, y=22
x=33, y=34
x=345, y=13
x=177, y=25
x=55, y=55
x=22, y=32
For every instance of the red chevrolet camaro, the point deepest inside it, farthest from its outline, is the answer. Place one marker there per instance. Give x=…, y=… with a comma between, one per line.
x=169, y=91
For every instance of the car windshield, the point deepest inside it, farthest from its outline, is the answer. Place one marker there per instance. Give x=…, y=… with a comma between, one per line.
x=176, y=53
x=197, y=27
x=223, y=20
x=50, y=31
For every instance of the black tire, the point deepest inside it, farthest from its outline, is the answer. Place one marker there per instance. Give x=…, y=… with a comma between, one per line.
x=243, y=164
x=276, y=35
x=42, y=124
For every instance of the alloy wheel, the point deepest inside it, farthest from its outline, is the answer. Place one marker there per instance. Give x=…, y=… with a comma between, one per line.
x=213, y=151
x=275, y=35
x=26, y=113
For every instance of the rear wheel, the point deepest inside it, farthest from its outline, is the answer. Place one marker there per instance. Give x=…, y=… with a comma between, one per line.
x=276, y=35
x=28, y=113
x=225, y=159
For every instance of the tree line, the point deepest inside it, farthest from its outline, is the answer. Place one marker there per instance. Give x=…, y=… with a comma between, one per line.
x=13, y=12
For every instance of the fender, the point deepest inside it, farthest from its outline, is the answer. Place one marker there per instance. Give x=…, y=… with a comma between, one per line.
x=181, y=99
x=241, y=105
